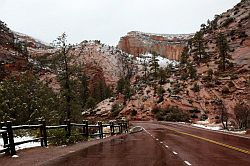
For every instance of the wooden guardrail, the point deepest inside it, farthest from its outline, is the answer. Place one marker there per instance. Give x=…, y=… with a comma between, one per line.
x=88, y=130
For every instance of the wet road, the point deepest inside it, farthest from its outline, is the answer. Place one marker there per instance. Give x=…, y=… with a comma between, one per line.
x=164, y=144
x=201, y=147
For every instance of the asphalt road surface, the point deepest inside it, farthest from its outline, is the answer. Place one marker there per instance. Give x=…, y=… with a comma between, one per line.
x=162, y=144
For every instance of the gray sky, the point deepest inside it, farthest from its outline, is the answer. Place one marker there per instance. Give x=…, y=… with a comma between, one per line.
x=107, y=20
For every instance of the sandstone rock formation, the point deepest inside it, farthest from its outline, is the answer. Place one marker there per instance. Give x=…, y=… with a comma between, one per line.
x=13, y=55
x=109, y=61
x=231, y=86
x=169, y=46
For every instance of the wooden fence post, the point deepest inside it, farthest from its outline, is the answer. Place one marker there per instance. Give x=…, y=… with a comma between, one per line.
x=44, y=133
x=111, y=128
x=83, y=128
x=11, y=138
x=69, y=127
x=126, y=125
x=4, y=136
x=87, y=128
x=66, y=127
x=41, y=133
x=121, y=129
x=100, y=129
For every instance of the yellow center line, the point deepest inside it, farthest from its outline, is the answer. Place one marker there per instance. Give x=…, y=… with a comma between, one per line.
x=212, y=141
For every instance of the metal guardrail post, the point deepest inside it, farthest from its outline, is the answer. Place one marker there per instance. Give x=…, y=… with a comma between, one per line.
x=11, y=138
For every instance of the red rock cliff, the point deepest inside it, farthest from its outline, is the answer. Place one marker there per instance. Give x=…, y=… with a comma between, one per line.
x=169, y=46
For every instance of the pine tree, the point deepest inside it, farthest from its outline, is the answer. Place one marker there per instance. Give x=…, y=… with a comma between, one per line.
x=160, y=92
x=184, y=56
x=162, y=76
x=154, y=66
x=84, y=91
x=199, y=44
x=223, y=49
x=101, y=91
x=65, y=72
x=124, y=87
x=145, y=68
x=91, y=103
x=192, y=71
x=24, y=99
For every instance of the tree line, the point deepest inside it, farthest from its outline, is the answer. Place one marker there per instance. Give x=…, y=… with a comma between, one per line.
x=24, y=98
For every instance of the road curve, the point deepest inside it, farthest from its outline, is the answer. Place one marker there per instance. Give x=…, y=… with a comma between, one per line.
x=201, y=147
x=162, y=144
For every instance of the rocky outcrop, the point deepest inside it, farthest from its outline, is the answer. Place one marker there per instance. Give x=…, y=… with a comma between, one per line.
x=108, y=61
x=13, y=53
x=99, y=62
x=169, y=46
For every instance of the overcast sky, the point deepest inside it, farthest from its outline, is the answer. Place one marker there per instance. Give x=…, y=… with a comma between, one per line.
x=107, y=20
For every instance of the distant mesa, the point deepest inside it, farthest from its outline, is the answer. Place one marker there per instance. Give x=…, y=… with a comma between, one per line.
x=167, y=45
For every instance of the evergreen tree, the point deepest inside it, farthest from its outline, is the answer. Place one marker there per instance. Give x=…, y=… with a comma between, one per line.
x=24, y=99
x=242, y=113
x=154, y=66
x=184, y=56
x=123, y=87
x=101, y=91
x=65, y=72
x=160, y=92
x=91, y=103
x=145, y=68
x=203, y=27
x=192, y=71
x=162, y=76
x=199, y=44
x=223, y=49
x=84, y=91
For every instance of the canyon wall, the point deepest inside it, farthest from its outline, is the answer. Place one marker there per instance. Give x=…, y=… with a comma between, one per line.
x=169, y=46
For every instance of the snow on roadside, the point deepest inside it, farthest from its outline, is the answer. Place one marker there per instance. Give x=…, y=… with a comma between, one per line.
x=22, y=146
x=218, y=128
x=207, y=127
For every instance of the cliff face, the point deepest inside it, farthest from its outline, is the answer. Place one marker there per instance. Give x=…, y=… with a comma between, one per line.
x=235, y=25
x=108, y=61
x=231, y=86
x=13, y=52
x=169, y=46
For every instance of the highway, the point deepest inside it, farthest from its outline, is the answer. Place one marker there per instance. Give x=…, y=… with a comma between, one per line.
x=162, y=144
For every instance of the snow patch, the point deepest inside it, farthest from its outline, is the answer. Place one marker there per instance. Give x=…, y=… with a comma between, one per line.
x=217, y=128
x=22, y=146
x=163, y=62
x=15, y=156
x=208, y=127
